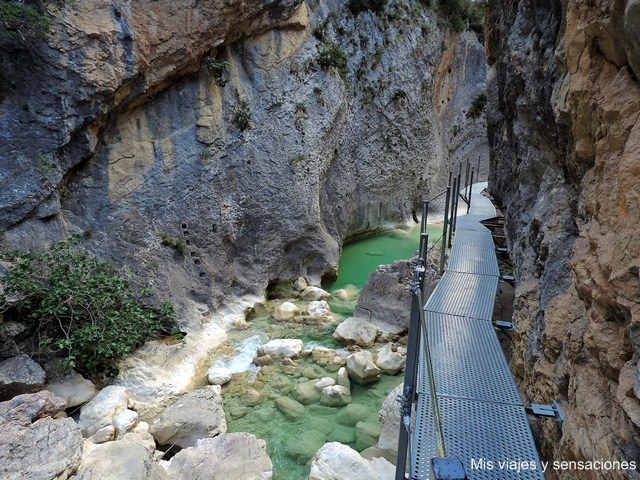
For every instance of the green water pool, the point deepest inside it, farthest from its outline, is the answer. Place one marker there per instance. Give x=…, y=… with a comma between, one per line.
x=361, y=257
x=291, y=443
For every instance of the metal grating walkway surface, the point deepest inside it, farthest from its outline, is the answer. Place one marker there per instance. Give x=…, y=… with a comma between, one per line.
x=483, y=418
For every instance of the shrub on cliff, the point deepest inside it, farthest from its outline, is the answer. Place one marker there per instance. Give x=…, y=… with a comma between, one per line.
x=477, y=107
x=333, y=56
x=80, y=308
x=460, y=13
x=21, y=21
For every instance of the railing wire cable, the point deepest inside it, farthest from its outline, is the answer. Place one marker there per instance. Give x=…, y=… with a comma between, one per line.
x=437, y=422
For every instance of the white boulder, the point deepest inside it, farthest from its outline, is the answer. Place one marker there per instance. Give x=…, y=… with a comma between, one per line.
x=102, y=409
x=124, y=422
x=219, y=375
x=319, y=308
x=343, y=378
x=335, y=396
x=285, y=311
x=355, y=331
x=389, y=359
x=314, y=293
x=324, y=382
x=335, y=461
x=361, y=368
x=281, y=348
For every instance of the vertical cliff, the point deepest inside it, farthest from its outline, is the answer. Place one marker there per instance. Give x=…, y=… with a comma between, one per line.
x=318, y=125
x=213, y=148
x=565, y=143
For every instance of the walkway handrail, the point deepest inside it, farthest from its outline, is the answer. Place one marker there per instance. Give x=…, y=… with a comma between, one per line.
x=417, y=327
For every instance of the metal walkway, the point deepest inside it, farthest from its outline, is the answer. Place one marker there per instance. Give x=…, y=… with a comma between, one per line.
x=483, y=419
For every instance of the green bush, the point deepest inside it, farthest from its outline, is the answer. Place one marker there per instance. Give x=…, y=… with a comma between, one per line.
x=178, y=244
x=460, y=12
x=81, y=309
x=241, y=114
x=21, y=22
x=477, y=107
x=216, y=68
x=333, y=56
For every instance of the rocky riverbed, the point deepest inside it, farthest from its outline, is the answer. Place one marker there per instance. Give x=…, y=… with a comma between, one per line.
x=294, y=392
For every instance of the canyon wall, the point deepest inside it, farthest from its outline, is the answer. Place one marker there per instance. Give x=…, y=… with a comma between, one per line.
x=114, y=132
x=565, y=161
x=319, y=125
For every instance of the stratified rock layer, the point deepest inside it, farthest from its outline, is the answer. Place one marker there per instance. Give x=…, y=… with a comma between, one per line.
x=565, y=136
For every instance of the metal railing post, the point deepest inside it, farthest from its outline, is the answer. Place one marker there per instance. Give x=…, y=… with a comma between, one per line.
x=455, y=217
x=470, y=191
x=466, y=182
x=410, y=381
x=424, y=235
x=444, y=230
x=453, y=205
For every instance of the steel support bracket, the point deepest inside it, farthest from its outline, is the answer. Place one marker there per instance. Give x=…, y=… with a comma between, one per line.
x=549, y=411
x=502, y=325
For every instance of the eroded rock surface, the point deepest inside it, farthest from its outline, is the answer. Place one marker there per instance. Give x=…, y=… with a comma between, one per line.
x=33, y=445
x=196, y=415
x=131, y=458
x=19, y=375
x=565, y=138
x=230, y=455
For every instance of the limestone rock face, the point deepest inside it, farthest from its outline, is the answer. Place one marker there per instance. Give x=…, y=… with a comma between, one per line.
x=196, y=415
x=565, y=168
x=355, y=331
x=632, y=34
x=144, y=124
x=102, y=409
x=33, y=445
x=113, y=130
x=19, y=375
x=335, y=461
x=229, y=455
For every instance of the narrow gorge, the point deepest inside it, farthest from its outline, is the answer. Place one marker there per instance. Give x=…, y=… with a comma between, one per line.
x=195, y=193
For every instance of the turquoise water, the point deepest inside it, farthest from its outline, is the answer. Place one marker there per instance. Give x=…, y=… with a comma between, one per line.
x=250, y=397
x=361, y=257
